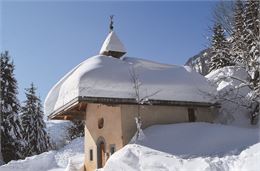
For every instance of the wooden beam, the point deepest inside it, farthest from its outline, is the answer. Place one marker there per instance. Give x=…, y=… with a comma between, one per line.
x=74, y=112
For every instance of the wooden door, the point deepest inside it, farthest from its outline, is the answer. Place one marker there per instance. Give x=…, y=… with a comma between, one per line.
x=101, y=155
x=191, y=115
x=102, y=150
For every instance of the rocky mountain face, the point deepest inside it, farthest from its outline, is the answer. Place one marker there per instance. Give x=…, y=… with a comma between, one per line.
x=200, y=62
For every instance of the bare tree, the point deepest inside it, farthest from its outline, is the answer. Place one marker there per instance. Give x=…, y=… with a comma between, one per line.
x=140, y=100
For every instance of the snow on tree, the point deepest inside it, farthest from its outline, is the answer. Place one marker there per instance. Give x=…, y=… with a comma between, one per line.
x=245, y=47
x=220, y=49
x=11, y=137
x=237, y=43
x=136, y=87
x=141, y=99
x=33, y=124
x=251, y=56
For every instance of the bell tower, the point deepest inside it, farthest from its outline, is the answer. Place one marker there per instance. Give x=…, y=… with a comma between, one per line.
x=112, y=45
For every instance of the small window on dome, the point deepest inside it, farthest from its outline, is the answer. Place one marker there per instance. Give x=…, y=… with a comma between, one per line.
x=100, y=123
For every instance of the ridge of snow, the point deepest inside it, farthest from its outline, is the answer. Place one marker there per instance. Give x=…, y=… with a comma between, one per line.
x=112, y=43
x=190, y=146
x=207, y=139
x=103, y=76
x=135, y=157
x=41, y=162
x=52, y=160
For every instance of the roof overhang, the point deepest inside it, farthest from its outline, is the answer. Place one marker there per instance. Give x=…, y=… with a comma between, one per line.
x=76, y=108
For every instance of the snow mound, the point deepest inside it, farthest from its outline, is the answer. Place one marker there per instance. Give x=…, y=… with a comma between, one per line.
x=190, y=146
x=75, y=148
x=41, y=162
x=199, y=139
x=135, y=157
x=103, y=76
x=52, y=160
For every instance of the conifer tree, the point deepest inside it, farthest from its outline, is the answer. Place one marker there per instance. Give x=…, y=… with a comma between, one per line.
x=33, y=124
x=11, y=138
x=238, y=45
x=220, y=49
x=251, y=54
x=251, y=33
x=245, y=50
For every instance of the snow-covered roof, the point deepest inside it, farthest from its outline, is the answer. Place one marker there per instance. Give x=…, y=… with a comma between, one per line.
x=104, y=76
x=112, y=43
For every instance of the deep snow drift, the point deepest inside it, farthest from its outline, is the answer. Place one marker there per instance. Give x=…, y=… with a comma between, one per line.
x=199, y=139
x=135, y=157
x=52, y=160
x=104, y=76
x=190, y=146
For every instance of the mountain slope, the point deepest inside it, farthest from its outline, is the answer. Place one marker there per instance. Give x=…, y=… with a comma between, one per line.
x=200, y=62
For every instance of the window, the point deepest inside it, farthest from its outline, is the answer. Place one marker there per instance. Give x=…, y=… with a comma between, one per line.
x=191, y=115
x=100, y=123
x=112, y=149
x=91, y=155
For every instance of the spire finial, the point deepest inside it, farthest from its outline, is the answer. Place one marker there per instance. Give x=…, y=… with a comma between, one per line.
x=111, y=26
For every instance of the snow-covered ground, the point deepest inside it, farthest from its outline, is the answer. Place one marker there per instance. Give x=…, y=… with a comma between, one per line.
x=135, y=157
x=52, y=160
x=183, y=146
x=199, y=139
x=191, y=146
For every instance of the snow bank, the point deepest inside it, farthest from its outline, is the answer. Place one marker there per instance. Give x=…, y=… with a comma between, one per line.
x=135, y=157
x=75, y=148
x=190, y=146
x=103, y=76
x=52, y=160
x=41, y=162
x=199, y=139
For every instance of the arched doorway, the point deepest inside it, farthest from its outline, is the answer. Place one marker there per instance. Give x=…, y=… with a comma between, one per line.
x=101, y=152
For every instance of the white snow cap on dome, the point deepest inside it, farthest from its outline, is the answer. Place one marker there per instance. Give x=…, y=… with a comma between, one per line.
x=107, y=77
x=112, y=43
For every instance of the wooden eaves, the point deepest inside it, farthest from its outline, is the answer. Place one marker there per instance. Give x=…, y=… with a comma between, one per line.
x=76, y=108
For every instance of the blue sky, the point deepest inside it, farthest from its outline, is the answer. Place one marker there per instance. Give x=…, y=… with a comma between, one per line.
x=47, y=39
